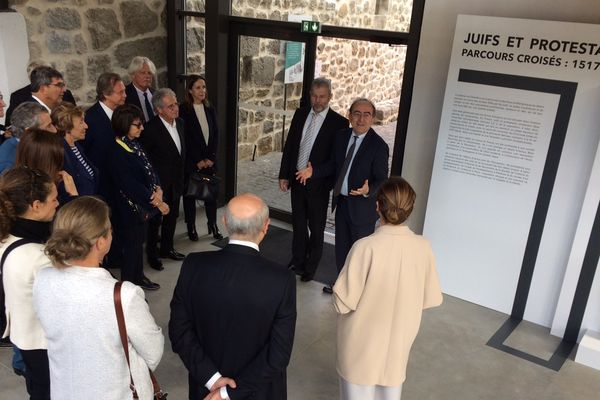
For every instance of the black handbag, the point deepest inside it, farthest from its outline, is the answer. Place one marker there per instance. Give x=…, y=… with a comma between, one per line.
x=203, y=187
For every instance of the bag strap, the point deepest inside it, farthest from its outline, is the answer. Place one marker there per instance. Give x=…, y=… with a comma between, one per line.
x=123, y=332
x=158, y=393
x=11, y=247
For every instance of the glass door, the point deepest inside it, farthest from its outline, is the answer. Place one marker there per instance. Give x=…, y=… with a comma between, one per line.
x=270, y=89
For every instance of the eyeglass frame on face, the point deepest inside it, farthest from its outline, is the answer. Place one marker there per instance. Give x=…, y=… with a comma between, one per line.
x=60, y=85
x=138, y=125
x=358, y=114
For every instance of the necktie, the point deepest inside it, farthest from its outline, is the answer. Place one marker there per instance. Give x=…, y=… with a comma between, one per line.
x=340, y=180
x=148, y=106
x=306, y=143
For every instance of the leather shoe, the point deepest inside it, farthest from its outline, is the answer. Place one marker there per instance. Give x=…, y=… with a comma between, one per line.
x=328, y=289
x=155, y=263
x=306, y=277
x=147, y=284
x=173, y=255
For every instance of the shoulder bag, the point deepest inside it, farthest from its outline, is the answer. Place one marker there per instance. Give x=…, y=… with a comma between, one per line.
x=158, y=393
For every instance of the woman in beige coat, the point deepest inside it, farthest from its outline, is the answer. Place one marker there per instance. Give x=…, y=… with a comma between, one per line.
x=387, y=281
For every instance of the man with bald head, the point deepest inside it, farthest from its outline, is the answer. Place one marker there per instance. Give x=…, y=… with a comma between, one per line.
x=233, y=313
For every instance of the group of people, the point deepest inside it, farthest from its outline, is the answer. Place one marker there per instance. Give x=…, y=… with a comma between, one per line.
x=233, y=313
x=101, y=151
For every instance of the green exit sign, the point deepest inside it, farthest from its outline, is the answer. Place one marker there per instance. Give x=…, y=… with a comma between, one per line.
x=310, y=27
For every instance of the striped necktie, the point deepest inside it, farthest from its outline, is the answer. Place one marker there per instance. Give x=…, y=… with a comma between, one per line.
x=306, y=143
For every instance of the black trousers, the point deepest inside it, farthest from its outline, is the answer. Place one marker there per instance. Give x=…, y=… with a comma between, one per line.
x=132, y=236
x=37, y=377
x=347, y=232
x=166, y=224
x=309, y=215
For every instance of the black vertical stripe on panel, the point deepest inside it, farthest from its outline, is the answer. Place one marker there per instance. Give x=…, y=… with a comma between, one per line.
x=584, y=284
x=566, y=90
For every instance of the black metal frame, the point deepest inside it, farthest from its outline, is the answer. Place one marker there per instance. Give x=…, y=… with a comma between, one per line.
x=223, y=31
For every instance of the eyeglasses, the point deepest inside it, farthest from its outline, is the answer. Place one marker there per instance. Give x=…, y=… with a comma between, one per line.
x=58, y=85
x=138, y=125
x=358, y=114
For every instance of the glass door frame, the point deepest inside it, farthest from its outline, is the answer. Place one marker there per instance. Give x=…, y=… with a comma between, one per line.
x=222, y=68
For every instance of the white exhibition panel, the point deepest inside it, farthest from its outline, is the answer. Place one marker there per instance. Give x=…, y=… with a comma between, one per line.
x=14, y=54
x=484, y=185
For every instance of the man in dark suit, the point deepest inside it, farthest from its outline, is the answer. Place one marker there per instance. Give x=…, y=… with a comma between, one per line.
x=24, y=94
x=309, y=143
x=139, y=92
x=360, y=164
x=233, y=313
x=100, y=137
x=163, y=141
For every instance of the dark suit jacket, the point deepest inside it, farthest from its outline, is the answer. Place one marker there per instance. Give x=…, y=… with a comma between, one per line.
x=234, y=312
x=162, y=152
x=99, y=139
x=320, y=152
x=24, y=94
x=85, y=184
x=370, y=162
x=196, y=147
x=132, y=96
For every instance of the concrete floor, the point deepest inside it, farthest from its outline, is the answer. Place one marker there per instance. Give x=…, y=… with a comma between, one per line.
x=448, y=361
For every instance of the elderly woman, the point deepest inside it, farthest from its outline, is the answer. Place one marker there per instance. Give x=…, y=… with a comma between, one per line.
x=138, y=194
x=70, y=124
x=75, y=305
x=28, y=201
x=387, y=281
x=201, y=138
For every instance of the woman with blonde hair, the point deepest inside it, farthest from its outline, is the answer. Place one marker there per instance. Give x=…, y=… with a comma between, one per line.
x=28, y=201
x=387, y=281
x=70, y=124
x=75, y=304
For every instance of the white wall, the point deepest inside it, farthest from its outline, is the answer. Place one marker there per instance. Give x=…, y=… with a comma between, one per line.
x=428, y=95
x=14, y=54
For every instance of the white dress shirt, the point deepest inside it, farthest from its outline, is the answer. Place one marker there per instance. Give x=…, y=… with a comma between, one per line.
x=173, y=132
x=107, y=110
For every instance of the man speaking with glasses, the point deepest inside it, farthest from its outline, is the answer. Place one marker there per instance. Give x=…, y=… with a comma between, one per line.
x=360, y=165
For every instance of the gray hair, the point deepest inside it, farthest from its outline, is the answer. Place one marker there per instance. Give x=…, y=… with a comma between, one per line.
x=159, y=95
x=26, y=116
x=248, y=227
x=137, y=63
x=35, y=64
x=320, y=82
x=42, y=76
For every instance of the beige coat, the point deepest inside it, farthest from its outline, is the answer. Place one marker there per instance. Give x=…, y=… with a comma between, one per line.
x=388, y=279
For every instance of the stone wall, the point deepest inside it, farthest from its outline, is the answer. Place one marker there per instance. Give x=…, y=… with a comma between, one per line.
x=83, y=38
x=356, y=69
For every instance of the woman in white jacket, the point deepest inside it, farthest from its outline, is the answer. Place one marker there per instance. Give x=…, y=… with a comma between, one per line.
x=27, y=205
x=74, y=302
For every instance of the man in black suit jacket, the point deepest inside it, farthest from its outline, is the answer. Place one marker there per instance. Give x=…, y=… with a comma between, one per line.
x=360, y=165
x=100, y=137
x=139, y=92
x=24, y=94
x=163, y=141
x=309, y=142
x=233, y=313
